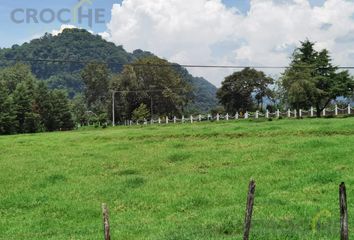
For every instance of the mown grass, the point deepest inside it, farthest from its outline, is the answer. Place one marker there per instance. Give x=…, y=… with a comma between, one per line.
x=178, y=181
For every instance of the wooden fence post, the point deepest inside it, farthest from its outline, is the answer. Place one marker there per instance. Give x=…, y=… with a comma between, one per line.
x=344, y=233
x=249, y=209
x=106, y=229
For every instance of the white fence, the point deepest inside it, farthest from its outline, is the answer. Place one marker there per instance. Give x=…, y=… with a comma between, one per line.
x=247, y=115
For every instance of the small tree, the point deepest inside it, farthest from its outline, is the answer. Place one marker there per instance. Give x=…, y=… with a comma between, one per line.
x=141, y=113
x=237, y=90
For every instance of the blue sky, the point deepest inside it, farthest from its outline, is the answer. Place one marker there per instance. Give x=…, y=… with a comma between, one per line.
x=12, y=33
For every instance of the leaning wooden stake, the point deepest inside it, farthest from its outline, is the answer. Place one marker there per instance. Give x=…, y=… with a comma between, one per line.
x=344, y=233
x=106, y=229
x=249, y=209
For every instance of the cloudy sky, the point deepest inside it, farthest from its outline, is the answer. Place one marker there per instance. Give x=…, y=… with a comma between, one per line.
x=228, y=32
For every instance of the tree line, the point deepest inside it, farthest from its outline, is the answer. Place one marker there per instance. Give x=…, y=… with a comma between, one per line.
x=311, y=80
x=28, y=106
x=151, y=87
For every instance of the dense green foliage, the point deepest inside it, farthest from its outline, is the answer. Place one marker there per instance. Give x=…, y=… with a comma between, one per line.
x=96, y=81
x=312, y=80
x=241, y=90
x=179, y=181
x=28, y=106
x=82, y=46
x=168, y=92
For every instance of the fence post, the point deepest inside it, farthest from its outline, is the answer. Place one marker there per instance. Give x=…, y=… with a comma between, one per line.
x=249, y=209
x=295, y=113
x=236, y=116
x=349, y=109
x=191, y=118
x=200, y=118
x=209, y=117
x=257, y=114
x=344, y=233
x=278, y=113
x=183, y=120
x=267, y=113
x=311, y=111
x=106, y=227
x=300, y=113
x=324, y=112
x=218, y=117
x=289, y=113
x=246, y=115
x=159, y=120
x=174, y=120
x=227, y=117
x=336, y=110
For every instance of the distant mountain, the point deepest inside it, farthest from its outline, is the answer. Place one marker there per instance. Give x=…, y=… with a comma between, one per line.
x=78, y=46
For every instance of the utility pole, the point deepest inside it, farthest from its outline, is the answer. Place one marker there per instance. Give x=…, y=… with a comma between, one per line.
x=113, y=109
x=151, y=101
x=151, y=107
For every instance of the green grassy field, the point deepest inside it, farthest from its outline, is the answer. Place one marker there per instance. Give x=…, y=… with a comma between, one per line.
x=178, y=181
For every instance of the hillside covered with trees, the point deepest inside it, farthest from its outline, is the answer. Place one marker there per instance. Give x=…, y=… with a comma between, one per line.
x=79, y=47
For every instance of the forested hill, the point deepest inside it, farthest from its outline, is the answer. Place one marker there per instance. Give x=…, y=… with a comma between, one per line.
x=80, y=45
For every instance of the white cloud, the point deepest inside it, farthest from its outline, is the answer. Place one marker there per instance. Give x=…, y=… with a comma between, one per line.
x=199, y=31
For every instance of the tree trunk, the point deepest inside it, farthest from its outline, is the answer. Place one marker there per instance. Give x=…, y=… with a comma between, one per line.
x=318, y=111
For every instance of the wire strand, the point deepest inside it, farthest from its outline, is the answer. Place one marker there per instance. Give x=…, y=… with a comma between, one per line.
x=159, y=65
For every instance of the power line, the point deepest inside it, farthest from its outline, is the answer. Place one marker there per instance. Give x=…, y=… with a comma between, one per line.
x=145, y=91
x=157, y=65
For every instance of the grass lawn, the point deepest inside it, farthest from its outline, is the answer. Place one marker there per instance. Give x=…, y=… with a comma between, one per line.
x=178, y=181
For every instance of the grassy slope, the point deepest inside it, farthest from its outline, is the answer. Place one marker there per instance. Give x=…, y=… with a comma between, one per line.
x=177, y=182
